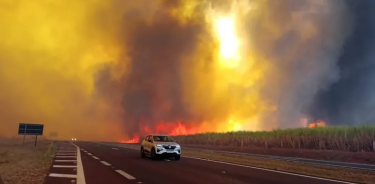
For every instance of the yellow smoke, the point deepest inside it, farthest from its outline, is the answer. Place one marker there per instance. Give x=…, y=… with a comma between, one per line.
x=49, y=52
x=52, y=52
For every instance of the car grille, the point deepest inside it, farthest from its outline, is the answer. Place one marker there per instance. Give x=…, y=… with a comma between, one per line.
x=167, y=147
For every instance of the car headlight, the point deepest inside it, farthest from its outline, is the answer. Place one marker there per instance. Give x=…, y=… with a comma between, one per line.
x=158, y=145
x=177, y=146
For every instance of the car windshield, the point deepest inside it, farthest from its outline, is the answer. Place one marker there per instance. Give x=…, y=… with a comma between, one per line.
x=163, y=139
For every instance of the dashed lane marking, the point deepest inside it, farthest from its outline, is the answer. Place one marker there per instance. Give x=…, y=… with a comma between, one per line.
x=126, y=175
x=95, y=157
x=105, y=163
x=167, y=160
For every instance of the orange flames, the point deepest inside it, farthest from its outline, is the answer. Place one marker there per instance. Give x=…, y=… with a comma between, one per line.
x=166, y=128
x=134, y=140
x=318, y=123
x=172, y=129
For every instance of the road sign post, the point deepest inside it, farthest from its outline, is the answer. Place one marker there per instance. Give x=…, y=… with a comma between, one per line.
x=30, y=129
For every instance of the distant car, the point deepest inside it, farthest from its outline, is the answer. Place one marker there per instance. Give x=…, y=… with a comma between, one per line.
x=157, y=146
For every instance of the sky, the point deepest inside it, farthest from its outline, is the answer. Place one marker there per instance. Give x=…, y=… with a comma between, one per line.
x=113, y=70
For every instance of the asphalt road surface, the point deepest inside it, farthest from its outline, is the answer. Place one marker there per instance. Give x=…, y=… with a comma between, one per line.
x=108, y=164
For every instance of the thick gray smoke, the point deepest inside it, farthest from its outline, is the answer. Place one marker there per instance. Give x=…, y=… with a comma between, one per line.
x=304, y=58
x=351, y=100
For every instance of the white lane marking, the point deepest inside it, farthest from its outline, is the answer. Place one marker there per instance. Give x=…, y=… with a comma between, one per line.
x=95, y=157
x=80, y=172
x=167, y=160
x=65, y=161
x=105, y=163
x=64, y=166
x=66, y=151
x=282, y=172
x=66, y=156
x=89, y=154
x=82, y=149
x=63, y=175
x=126, y=175
x=115, y=148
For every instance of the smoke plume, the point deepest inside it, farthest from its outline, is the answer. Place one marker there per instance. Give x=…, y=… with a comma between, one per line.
x=111, y=69
x=350, y=101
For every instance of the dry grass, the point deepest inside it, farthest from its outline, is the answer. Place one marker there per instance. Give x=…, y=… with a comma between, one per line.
x=345, y=174
x=20, y=164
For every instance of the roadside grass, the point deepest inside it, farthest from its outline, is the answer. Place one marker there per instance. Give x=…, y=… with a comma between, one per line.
x=20, y=164
x=345, y=174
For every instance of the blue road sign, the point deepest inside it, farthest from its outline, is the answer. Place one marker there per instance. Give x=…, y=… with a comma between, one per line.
x=30, y=129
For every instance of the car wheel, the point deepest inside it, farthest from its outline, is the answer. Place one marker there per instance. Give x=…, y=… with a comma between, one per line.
x=153, y=155
x=177, y=157
x=142, y=152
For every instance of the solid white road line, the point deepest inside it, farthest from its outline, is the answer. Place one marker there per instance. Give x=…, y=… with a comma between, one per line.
x=66, y=156
x=95, y=157
x=270, y=170
x=115, y=148
x=105, y=163
x=126, y=175
x=64, y=166
x=80, y=172
x=65, y=160
x=63, y=175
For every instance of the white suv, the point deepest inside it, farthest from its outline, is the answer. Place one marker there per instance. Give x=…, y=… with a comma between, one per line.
x=160, y=146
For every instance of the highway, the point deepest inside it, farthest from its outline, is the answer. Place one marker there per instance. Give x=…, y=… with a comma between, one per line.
x=103, y=163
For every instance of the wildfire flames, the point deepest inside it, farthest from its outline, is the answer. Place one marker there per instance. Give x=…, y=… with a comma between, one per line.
x=318, y=123
x=134, y=140
x=130, y=68
x=166, y=128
